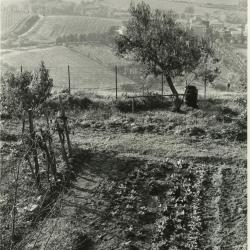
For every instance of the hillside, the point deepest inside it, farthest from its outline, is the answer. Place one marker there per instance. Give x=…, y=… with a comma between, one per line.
x=85, y=72
x=51, y=27
x=178, y=6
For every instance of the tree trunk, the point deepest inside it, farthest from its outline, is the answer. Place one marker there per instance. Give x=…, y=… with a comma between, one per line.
x=177, y=102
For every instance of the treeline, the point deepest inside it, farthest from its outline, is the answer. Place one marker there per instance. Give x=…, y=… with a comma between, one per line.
x=106, y=38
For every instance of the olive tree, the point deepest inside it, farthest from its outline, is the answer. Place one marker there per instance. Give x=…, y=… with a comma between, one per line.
x=155, y=39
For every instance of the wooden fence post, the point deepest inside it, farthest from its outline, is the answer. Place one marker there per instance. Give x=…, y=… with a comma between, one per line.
x=14, y=209
x=69, y=79
x=21, y=69
x=34, y=150
x=54, y=168
x=64, y=118
x=162, y=82
x=23, y=122
x=205, y=88
x=116, y=82
x=133, y=105
x=61, y=138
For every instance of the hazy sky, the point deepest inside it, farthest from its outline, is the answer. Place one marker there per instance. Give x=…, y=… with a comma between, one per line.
x=6, y=2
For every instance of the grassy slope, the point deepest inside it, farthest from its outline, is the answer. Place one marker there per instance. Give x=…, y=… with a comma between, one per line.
x=51, y=27
x=85, y=73
x=91, y=67
x=101, y=53
x=164, y=142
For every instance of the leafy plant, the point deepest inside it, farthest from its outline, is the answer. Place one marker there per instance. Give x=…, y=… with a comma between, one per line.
x=24, y=91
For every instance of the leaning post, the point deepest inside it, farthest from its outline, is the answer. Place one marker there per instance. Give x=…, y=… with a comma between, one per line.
x=69, y=79
x=116, y=82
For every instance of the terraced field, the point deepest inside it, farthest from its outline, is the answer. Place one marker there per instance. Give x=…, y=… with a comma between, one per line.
x=175, y=5
x=10, y=19
x=51, y=27
x=85, y=72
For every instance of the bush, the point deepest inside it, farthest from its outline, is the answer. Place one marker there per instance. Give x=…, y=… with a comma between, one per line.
x=152, y=101
x=24, y=91
x=69, y=102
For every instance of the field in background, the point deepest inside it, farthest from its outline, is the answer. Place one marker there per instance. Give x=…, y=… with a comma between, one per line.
x=10, y=19
x=179, y=7
x=85, y=73
x=92, y=68
x=101, y=53
x=51, y=27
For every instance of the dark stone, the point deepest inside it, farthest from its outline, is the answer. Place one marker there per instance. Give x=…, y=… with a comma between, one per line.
x=191, y=96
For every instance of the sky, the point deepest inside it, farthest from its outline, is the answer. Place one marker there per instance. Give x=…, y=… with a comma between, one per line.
x=7, y=2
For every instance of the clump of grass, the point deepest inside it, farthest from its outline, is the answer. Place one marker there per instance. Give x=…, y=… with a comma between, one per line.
x=153, y=101
x=69, y=102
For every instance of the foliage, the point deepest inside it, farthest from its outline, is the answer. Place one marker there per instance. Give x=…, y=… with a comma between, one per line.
x=149, y=102
x=24, y=91
x=208, y=69
x=155, y=39
x=175, y=212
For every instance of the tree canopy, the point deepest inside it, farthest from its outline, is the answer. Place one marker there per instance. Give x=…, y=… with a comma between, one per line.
x=155, y=39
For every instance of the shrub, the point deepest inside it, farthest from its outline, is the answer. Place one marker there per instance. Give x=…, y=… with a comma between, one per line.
x=152, y=101
x=69, y=102
x=23, y=91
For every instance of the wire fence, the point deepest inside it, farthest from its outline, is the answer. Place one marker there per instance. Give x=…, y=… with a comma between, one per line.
x=113, y=80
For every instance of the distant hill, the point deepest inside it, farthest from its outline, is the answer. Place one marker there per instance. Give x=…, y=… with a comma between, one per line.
x=86, y=73
x=51, y=27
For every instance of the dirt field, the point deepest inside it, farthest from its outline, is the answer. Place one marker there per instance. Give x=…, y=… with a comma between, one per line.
x=128, y=169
